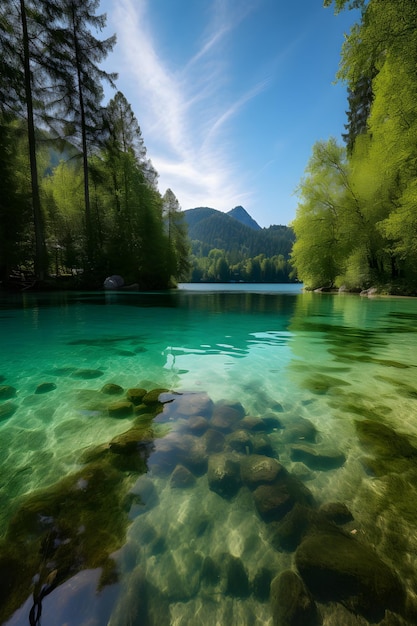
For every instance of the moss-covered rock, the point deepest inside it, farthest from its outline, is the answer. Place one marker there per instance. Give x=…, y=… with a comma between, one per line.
x=7, y=410
x=58, y=531
x=257, y=470
x=317, y=458
x=273, y=501
x=225, y=417
x=152, y=397
x=7, y=392
x=291, y=602
x=299, y=430
x=224, y=474
x=136, y=395
x=261, y=584
x=86, y=374
x=240, y=441
x=111, y=389
x=45, y=388
x=120, y=409
x=336, y=512
x=384, y=441
x=237, y=582
x=181, y=478
x=336, y=567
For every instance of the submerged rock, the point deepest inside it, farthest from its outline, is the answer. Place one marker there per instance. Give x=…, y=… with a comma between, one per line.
x=191, y=404
x=120, y=409
x=261, y=584
x=336, y=512
x=225, y=417
x=273, y=501
x=336, y=567
x=152, y=397
x=257, y=469
x=240, y=441
x=224, y=474
x=45, y=388
x=86, y=374
x=291, y=602
x=7, y=392
x=136, y=395
x=317, y=458
x=299, y=429
x=7, y=410
x=181, y=477
x=111, y=389
x=237, y=582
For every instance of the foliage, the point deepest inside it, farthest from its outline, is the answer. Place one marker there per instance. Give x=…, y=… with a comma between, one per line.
x=76, y=181
x=224, y=249
x=363, y=232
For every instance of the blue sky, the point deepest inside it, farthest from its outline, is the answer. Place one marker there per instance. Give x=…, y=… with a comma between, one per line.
x=231, y=94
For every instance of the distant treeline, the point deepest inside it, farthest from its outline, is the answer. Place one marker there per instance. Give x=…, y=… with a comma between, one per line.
x=224, y=249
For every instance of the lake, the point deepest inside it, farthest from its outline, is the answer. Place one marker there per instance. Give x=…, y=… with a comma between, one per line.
x=216, y=454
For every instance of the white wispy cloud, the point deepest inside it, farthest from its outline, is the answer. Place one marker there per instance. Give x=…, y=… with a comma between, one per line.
x=184, y=117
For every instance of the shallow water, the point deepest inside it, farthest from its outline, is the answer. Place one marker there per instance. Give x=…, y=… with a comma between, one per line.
x=187, y=554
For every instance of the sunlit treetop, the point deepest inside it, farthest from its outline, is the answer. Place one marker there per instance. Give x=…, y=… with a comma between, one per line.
x=339, y=5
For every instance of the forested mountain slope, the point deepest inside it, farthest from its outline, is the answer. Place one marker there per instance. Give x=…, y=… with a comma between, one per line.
x=225, y=249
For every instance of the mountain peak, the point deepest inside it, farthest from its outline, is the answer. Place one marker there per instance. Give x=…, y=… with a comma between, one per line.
x=242, y=216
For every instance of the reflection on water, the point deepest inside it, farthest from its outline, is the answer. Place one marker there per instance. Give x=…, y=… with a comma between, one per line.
x=208, y=456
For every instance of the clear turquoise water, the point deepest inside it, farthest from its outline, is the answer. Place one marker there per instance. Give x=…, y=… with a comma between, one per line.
x=329, y=359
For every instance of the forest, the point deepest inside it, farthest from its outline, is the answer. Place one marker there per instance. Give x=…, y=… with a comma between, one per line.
x=79, y=198
x=225, y=249
x=356, y=222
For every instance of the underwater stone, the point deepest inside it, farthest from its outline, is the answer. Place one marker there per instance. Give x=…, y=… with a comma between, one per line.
x=197, y=424
x=240, y=441
x=236, y=406
x=273, y=501
x=225, y=417
x=257, y=469
x=224, y=475
x=192, y=404
x=87, y=374
x=152, y=397
x=336, y=567
x=133, y=439
x=299, y=429
x=146, y=496
x=262, y=445
x=317, y=459
x=288, y=533
x=272, y=422
x=7, y=392
x=210, y=572
x=45, y=388
x=261, y=584
x=291, y=602
x=255, y=424
x=181, y=477
x=136, y=395
x=120, y=409
x=383, y=441
x=214, y=441
x=111, y=389
x=6, y=410
x=237, y=582
x=321, y=384
x=336, y=512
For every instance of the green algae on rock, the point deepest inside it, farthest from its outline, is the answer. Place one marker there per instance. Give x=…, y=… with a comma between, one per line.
x=7, y=392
